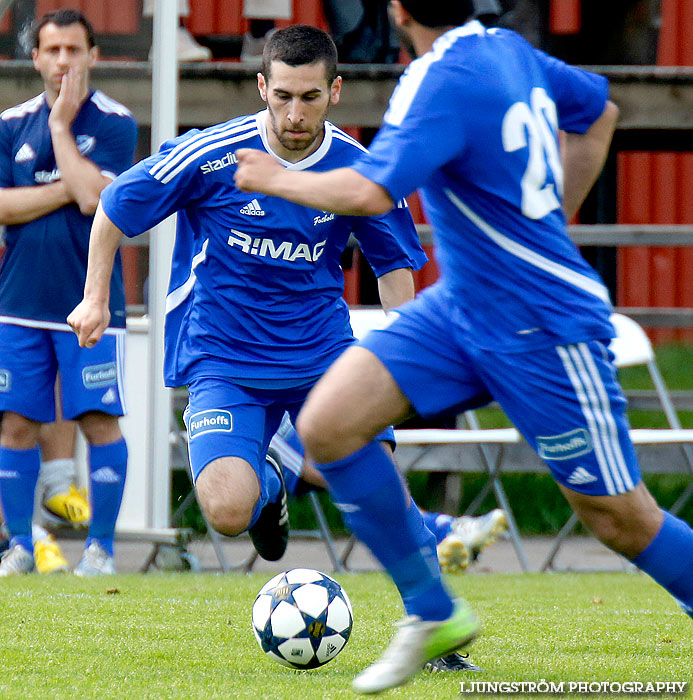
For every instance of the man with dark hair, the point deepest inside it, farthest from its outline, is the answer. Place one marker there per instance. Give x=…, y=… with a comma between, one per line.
x=62, y=18
x=517, y=314
x=255, y=312
x=57, y=152
x=301, y=45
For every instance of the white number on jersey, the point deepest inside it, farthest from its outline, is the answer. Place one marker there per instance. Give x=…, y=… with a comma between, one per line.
x=535, y=125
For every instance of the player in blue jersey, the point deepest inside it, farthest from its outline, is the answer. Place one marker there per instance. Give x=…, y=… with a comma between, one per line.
x=517, y=314
x=58, y=151
x=255, y=312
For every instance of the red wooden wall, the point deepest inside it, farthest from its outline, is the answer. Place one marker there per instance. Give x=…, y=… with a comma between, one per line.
x=122, y=17
x=565, y=16
x=657, y=188
x=226, y=17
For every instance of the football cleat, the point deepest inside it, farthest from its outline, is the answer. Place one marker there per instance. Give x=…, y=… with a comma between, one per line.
x=453, y=554
x=95, y=562
x=416, y=642
x=451, y=662
x=270, y=533
x=478, y=533
x=48, y=557
x=15, y=561
x=72, y=506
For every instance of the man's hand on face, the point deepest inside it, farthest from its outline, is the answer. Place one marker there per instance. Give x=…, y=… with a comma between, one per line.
x=69, y=100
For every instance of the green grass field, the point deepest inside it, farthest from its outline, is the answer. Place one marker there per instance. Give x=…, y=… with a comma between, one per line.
x=188, y=636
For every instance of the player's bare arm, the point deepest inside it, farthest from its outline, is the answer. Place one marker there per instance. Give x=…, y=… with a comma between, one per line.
x=395, y=288
x=91, y=316
x=342, y=191
x=81, y=176
x=584, y=156
x=21, y=204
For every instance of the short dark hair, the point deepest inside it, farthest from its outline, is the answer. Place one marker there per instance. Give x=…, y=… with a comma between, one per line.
x=62, y=18
x=299, y=45
x=439, y=13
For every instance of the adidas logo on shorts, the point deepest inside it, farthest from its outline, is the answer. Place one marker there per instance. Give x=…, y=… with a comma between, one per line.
x=581, y=476
x=253, y=209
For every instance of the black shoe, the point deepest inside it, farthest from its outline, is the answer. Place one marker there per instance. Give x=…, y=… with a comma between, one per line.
x=451, y=662
x=270, y=534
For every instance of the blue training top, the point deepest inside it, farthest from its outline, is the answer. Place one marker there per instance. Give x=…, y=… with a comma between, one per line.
x=474, y=123
x=43, y=270
x=256, y=284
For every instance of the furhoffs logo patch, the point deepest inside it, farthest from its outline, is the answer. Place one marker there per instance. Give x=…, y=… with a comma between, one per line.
x=97, y=376
x=213, y=420
x=566, y=446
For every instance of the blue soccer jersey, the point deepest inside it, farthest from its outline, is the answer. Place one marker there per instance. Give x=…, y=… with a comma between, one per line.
x=44, y=267
x=256, y=283
x=501, y=241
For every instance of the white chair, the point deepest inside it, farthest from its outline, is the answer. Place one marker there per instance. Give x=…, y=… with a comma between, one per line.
x=365, y=320
x=632, y=347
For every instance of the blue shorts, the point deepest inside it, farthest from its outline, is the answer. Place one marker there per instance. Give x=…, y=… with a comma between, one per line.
x=90, y=379
x=565, y=400
x=225, y=419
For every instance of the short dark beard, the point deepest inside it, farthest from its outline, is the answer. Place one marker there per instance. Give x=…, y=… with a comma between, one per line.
x=402, y=36
x=293, y=145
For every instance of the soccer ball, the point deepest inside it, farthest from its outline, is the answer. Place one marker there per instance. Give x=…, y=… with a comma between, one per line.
x=302, y=618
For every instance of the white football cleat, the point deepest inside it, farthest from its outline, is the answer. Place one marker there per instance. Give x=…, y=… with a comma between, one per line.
x=416, y=642
x=95, y=562
x=15, y=561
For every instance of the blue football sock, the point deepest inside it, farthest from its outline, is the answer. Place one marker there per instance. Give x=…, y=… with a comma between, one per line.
x=273, y=485
x=19, y=470
x=291, y=451
x=108, y=468
x=668, y=559
x=439, y=524
x=369, y=492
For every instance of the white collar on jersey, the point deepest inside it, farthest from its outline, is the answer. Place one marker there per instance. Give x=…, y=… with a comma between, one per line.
x=471, y=28
x=312, y=159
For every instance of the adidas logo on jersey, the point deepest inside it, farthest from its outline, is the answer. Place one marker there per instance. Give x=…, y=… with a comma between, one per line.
x=25, y=153
x=581, y=476
x=105, y=475
x=253, y=209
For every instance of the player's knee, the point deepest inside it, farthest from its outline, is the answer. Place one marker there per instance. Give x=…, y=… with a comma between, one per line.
x=225, y=516
x=227, y=492
x=317, y=438
x=100, y=428
x=18, y=432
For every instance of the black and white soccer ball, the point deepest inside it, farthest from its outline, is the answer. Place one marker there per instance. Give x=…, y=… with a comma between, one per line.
x=302, y=618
